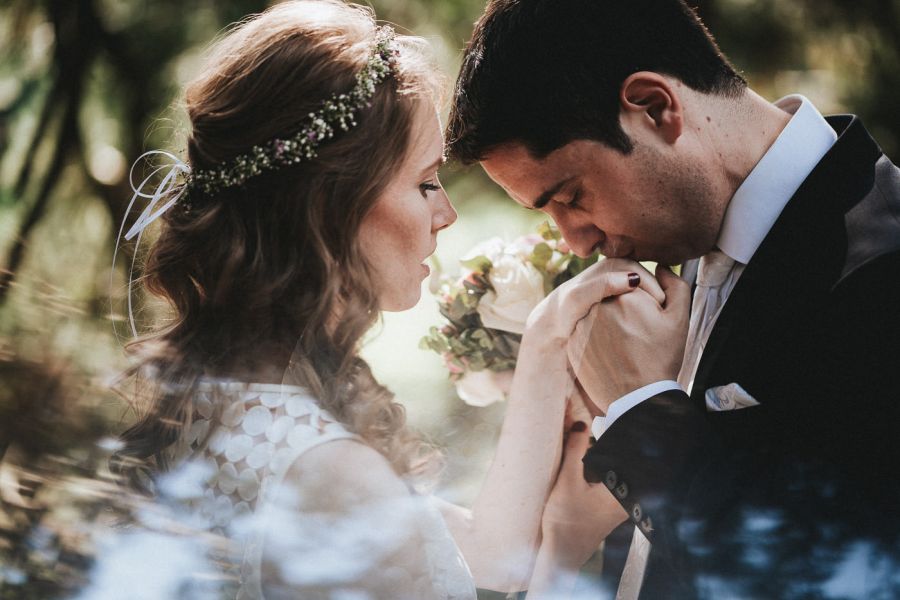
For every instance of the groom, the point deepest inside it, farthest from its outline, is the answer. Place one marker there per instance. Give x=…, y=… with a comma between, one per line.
x=752, y=422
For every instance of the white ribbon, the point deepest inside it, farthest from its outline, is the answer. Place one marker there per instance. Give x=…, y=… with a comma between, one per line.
x=151, y=212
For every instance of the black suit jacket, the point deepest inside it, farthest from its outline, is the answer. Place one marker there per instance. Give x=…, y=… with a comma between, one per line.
x=780, y=499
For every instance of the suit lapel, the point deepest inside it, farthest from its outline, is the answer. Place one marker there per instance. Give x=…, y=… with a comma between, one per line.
x=798, y=262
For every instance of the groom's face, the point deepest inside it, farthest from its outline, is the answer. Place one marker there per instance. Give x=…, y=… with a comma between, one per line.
x=645, y=205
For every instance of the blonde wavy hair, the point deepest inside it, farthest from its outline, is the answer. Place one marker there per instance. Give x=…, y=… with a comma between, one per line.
x=257, y=274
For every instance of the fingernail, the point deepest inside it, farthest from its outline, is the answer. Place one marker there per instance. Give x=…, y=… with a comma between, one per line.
x=579, y=426
x=634, y=279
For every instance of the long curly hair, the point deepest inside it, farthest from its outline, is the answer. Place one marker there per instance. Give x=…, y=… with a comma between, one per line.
x=272, y=271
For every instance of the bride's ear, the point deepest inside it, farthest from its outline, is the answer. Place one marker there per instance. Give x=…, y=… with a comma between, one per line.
x=648, y=100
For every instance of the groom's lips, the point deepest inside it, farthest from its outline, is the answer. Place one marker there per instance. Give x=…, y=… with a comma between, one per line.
x=616, y=251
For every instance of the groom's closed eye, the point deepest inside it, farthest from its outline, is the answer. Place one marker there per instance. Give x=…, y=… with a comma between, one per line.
x=548, y=195
x=575, y=199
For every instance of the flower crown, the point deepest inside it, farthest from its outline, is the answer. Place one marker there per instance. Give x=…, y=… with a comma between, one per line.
x=337, y=112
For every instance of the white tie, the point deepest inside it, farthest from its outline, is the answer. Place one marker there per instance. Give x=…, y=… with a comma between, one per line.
x=714, y=273
x=715, y=278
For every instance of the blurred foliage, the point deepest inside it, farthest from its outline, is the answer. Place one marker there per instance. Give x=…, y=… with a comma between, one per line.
x=87, y=85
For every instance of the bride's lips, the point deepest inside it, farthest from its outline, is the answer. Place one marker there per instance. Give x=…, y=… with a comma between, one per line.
x=426, y=267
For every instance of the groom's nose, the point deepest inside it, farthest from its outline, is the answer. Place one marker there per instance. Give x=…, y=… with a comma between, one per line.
x=579, y=231
x=582, y=239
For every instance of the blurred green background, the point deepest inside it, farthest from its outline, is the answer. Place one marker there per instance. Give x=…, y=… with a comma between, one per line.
x=87, y=85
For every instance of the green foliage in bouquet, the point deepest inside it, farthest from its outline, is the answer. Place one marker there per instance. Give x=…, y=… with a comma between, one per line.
x=464, y=342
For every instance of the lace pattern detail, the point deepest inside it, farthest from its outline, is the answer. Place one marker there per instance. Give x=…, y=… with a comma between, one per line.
x=247, y=436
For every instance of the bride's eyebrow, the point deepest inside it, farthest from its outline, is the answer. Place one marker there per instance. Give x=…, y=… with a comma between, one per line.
x=544, y=198
x=435, y=165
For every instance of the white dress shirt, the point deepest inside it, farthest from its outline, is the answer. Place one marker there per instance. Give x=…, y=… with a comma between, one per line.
x=752, y=211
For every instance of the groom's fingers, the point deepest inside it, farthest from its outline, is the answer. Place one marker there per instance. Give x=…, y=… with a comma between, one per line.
x=677, y=291
x=578, y=407
x=577, y=443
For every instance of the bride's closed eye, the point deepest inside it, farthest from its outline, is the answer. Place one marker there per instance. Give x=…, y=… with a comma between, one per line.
x=428, y=186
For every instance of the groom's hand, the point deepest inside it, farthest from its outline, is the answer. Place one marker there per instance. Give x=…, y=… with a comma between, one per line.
x=632, y=340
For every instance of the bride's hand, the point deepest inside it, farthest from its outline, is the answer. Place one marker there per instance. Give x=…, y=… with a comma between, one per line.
x=528, y=452
x=578, y=514
x=554, y=319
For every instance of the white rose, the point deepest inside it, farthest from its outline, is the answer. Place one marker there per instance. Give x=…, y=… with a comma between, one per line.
x=481, y=388
x=518, y=288
x=524, y=245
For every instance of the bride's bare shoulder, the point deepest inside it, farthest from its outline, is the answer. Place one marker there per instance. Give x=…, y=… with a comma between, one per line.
x=343, y=473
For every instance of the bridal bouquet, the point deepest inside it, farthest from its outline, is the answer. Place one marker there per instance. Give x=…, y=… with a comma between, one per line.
x=486, y=307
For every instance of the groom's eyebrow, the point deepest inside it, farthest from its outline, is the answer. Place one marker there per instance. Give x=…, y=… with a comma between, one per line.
x=544, y=198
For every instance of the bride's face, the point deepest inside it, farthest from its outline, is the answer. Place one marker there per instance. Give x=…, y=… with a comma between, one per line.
x=400, y=231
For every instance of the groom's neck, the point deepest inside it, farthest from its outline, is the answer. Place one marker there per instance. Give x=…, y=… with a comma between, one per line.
x=741, y=130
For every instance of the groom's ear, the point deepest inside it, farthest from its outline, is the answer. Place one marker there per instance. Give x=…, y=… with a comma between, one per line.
x=648, y=100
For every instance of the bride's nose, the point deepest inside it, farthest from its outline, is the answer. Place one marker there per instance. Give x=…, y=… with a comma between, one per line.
x=445, y=215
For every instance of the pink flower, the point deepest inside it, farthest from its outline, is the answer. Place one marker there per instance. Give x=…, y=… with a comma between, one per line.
x=531, y=239
x=451, y=365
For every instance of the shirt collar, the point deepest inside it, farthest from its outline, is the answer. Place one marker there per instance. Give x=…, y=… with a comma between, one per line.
x=762, y=196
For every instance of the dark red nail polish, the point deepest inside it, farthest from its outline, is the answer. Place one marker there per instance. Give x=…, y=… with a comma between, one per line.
x=634, y=279
x=579, y=426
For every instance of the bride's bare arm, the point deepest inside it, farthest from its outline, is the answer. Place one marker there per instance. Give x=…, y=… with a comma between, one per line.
x=577, y=517
x=500, y=534
x=344, y=520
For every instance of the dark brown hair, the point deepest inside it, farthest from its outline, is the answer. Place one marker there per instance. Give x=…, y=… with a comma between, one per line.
x=273, y=269
x=546, y=72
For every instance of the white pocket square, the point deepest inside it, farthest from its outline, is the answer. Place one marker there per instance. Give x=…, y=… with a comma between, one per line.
x=728, y=397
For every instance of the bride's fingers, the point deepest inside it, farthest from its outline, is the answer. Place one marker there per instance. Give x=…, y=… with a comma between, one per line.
x=648, y=281
x=570, y=302
x=650, y=285
x=614, y=277
x=577, y=299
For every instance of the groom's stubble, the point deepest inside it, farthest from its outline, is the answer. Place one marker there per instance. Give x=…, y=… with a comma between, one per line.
x=685, y=192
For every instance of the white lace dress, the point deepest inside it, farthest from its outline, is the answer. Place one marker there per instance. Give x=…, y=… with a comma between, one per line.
x=247, y=436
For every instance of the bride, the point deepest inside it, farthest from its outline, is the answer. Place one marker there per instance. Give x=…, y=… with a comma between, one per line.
x=309, y=203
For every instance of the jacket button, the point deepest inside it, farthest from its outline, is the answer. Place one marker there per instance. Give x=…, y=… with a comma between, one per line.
x=622, y=491
x=637, y=513
x=611, y=479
